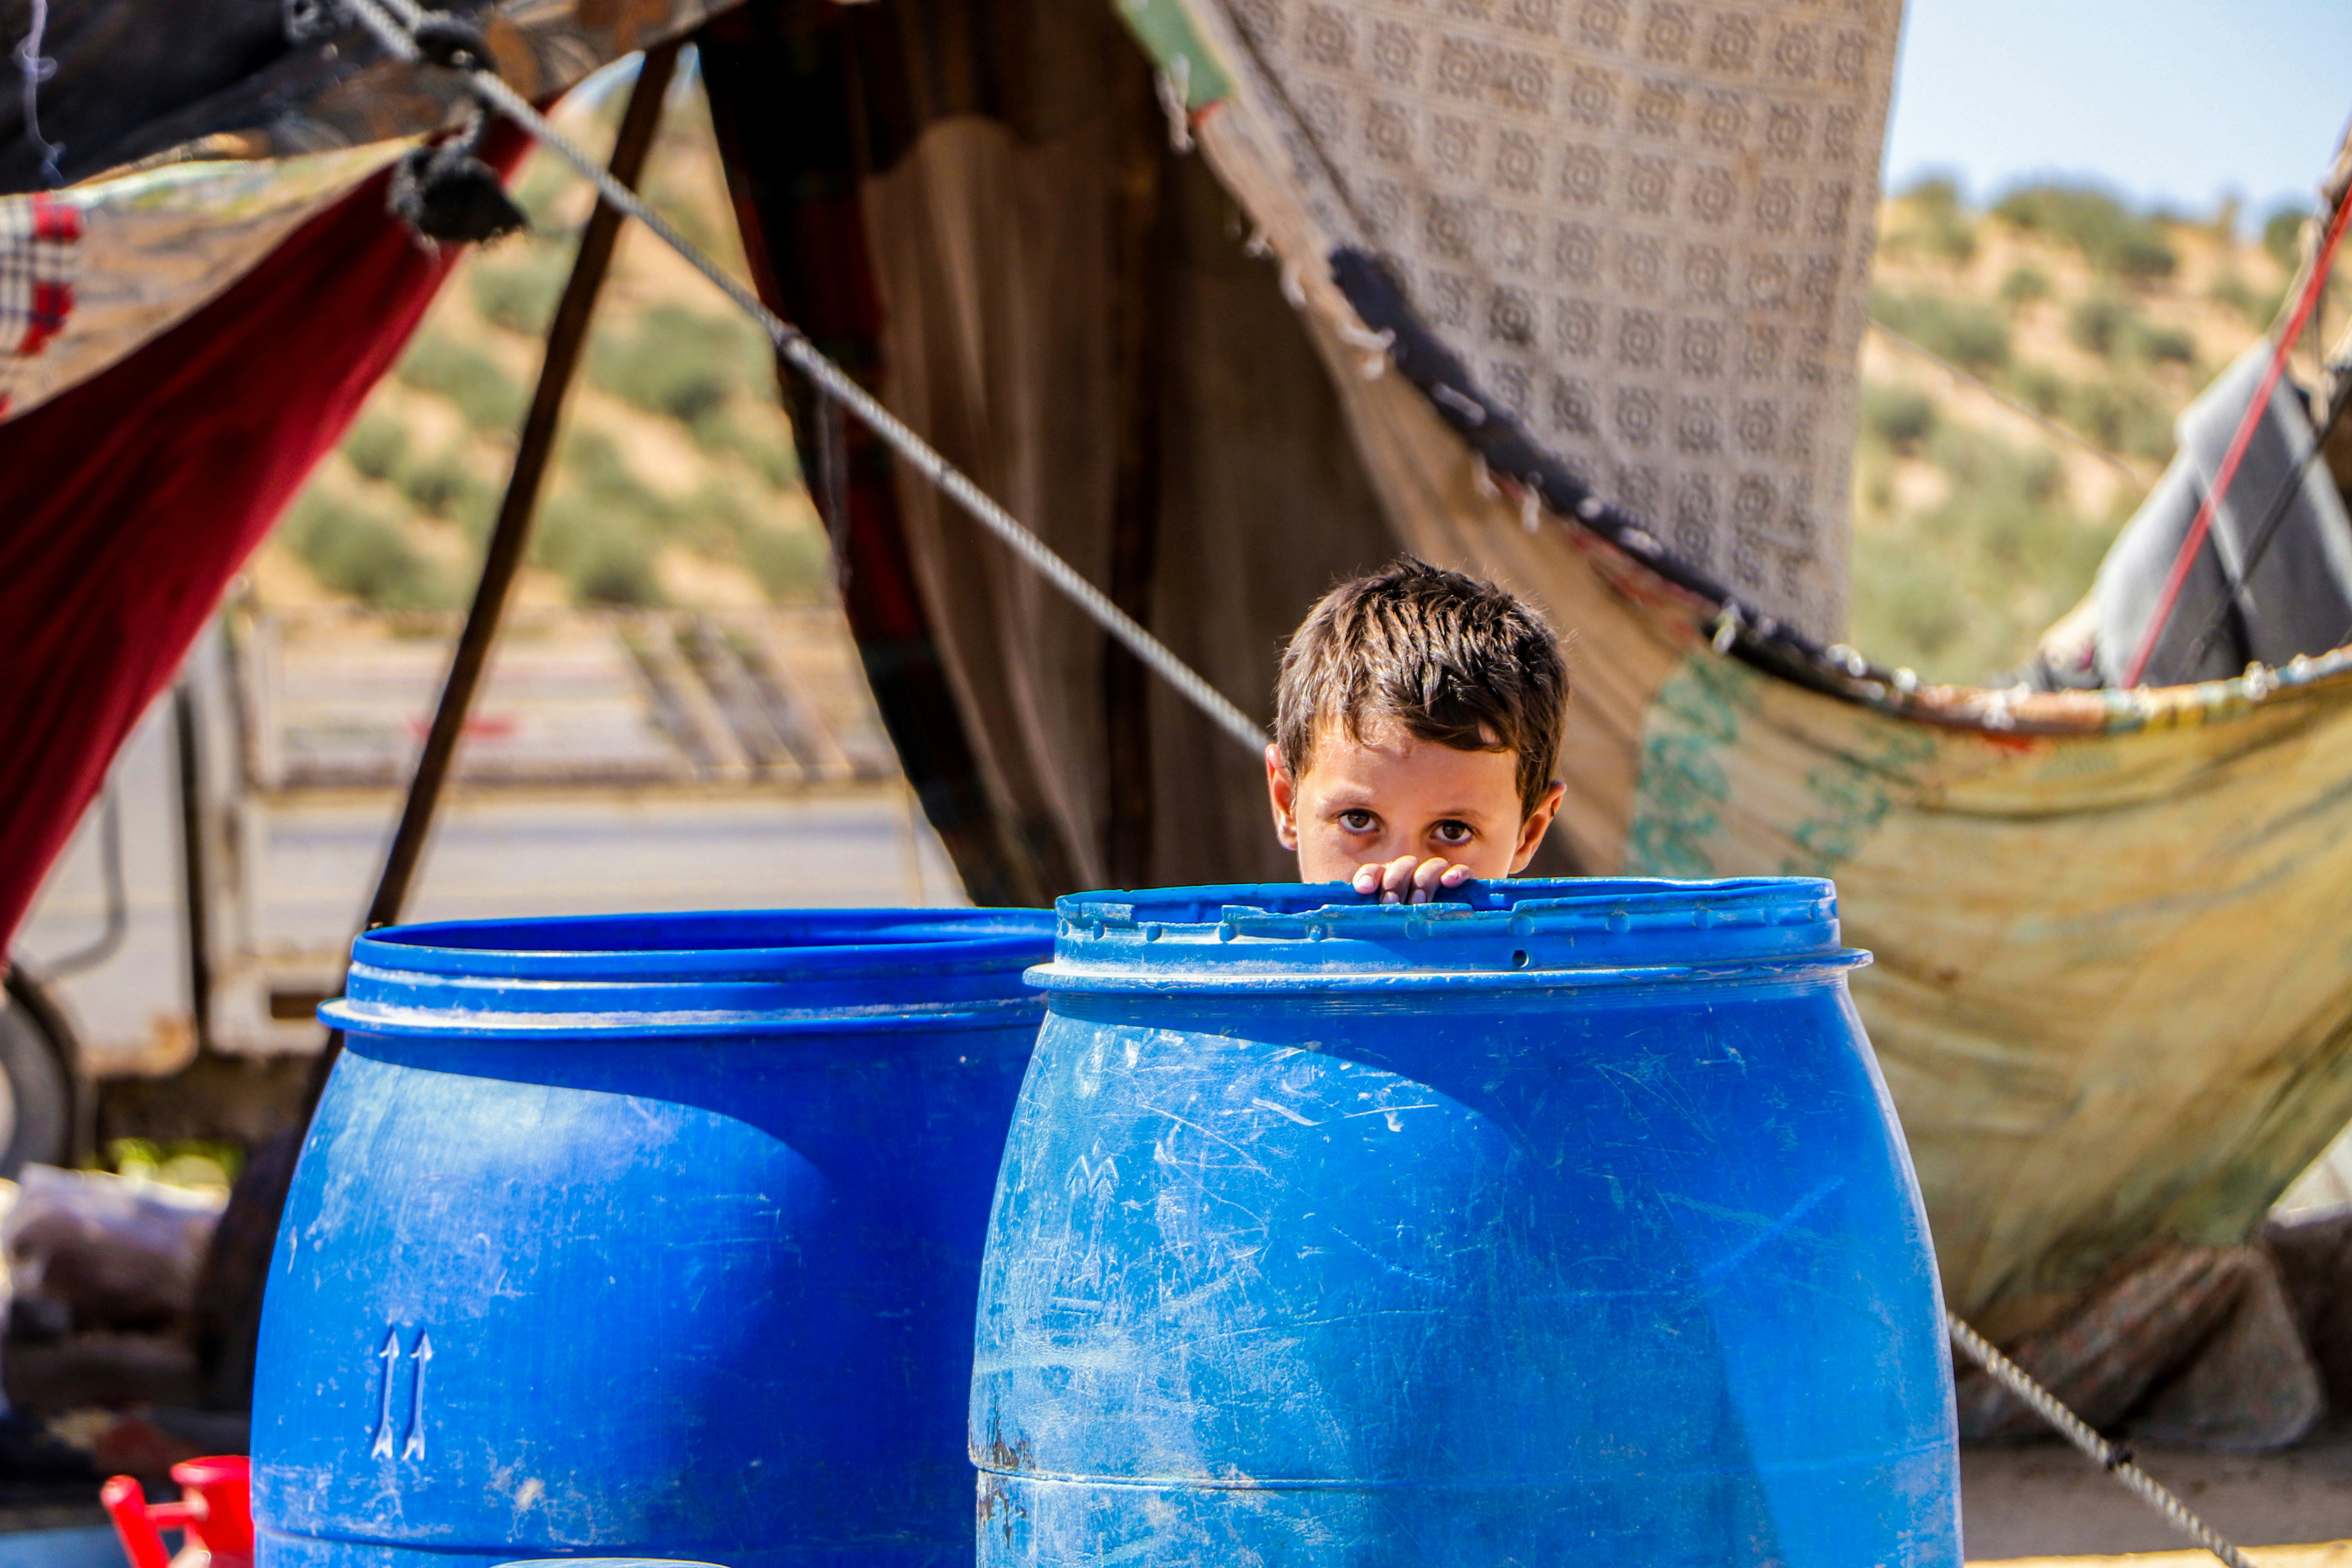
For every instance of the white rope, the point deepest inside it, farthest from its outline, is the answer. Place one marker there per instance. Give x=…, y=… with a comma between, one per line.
x=378, y=15
x=2117, y=1461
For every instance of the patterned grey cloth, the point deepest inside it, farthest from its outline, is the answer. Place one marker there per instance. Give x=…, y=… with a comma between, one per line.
x=1646, y=229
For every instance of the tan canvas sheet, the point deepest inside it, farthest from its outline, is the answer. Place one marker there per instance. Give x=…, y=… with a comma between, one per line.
x=142, y=252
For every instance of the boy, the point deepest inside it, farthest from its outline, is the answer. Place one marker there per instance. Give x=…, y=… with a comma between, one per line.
x=1418, y=719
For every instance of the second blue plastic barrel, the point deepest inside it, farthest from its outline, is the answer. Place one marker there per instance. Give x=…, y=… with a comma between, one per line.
x=1567, y=1223
x=653, y=1236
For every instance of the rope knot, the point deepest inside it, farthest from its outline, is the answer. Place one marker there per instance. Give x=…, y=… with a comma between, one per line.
x=447, y=196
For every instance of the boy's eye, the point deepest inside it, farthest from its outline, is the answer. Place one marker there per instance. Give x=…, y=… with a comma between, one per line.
x=1359, y=821
x=1452, y=831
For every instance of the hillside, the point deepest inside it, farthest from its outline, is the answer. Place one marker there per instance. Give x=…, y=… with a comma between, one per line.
x=675, y=482
x=1977, y=520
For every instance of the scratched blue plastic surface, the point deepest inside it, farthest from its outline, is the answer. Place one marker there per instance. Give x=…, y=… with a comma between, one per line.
x=1568, y=1224
x=655, y=1236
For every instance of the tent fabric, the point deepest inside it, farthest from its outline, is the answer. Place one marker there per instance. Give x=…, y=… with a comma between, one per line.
x=998, y=236
x=2312, y=1249
x=2295, y=599
x=173, y=80
x=40, y=240
x=1644, y=233
x=128, y=502
x=786, y=104
x=241, y=134
x=1257, y=507
x=88, y=274
x=2195, y=1347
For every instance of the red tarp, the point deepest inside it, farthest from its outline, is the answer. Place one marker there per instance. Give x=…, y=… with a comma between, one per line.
x=128, y=502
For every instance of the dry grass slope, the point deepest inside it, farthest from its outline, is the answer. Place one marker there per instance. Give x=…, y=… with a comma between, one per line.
x=1975, y=526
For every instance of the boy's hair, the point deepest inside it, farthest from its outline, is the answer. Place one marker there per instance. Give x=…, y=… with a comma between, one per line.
x=1448, y=657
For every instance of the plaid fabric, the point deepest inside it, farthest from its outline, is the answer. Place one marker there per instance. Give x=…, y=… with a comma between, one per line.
x=40, y=240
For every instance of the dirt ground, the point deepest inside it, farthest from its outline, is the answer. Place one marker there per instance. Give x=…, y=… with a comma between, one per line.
x=2045, y=1500
x=2039, y=1500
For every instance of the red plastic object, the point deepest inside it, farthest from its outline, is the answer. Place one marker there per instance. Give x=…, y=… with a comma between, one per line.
x=213, y=1514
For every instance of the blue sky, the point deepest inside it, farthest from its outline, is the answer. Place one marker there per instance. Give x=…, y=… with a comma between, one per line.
x=2166, y=100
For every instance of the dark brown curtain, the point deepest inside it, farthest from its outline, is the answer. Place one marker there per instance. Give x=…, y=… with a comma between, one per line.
x=975, y=206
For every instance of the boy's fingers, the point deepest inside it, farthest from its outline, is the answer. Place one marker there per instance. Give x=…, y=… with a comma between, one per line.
x=1435, y=873
x=1406, y=877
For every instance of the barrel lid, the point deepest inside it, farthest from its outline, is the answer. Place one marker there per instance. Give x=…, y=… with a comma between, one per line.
x=716, y=972
x=1534, y=933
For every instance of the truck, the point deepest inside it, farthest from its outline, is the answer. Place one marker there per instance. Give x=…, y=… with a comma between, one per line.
x=616, y=760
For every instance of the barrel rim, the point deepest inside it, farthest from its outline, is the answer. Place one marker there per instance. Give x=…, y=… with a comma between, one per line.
x=1485, y=895
x=1004, y=938
x=374, y=1020
x=1085, y=981
x=1515, y=934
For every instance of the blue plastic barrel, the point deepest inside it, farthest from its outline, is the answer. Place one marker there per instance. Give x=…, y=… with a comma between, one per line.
x=648, y=1237
x=1566, y=1224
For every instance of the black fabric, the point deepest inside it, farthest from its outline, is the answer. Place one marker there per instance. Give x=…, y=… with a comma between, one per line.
x=446, y=195
x=122, y=66
x=2297, y=597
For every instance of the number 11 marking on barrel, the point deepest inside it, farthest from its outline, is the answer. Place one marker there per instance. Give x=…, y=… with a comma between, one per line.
x=419, y=1358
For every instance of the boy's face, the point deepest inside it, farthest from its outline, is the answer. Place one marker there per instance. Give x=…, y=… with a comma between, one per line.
x=1414, y=813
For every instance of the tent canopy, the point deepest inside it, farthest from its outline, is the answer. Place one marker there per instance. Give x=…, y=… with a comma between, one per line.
x=2111, y=1003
